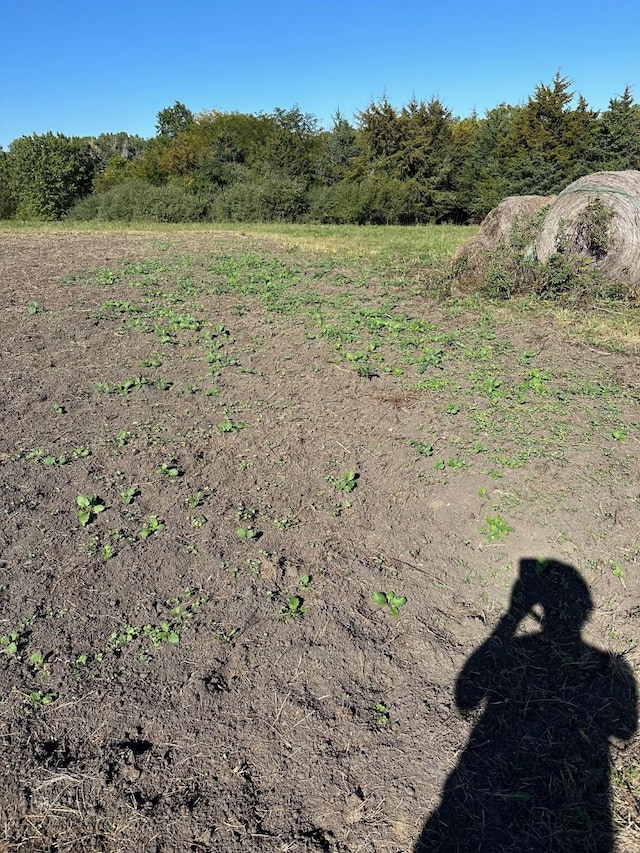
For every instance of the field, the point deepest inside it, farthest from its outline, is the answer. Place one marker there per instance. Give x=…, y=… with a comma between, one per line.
x=298, y=555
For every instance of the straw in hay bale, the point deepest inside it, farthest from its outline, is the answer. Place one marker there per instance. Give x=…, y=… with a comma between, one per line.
x=567, y=223
x=473, y=258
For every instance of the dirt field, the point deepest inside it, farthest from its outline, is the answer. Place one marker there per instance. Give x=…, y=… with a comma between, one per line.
x=294, y=559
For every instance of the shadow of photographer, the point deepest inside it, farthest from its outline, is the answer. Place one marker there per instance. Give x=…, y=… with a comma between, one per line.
x=534, y=775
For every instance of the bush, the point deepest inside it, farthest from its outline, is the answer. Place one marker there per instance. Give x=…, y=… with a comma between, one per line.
x=135, y=200
x=269, y=199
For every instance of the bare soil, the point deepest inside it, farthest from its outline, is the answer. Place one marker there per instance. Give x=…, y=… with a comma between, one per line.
x=225, y=682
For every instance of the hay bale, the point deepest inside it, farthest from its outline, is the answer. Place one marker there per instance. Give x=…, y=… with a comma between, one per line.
x=472, y=260
x=598, y=216
x=497, y=225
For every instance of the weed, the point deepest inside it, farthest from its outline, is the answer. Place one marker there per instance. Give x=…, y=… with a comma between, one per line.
x=293, y=608
x=34, y=307
x=81, y=452
x=246, y=533
x=159, y=634
x=88, y=507
x=389, y=600
x=37, y=662
x=422, y=448
x=38, y=700
x=383, y=714
x=197, y=520
x=304, y=582
x=122, y=438
x=285, y=523
x=346, y=483
x=168, y=469
x=227, y=425
x=127, y=495
x=108, y=551
x=495, y=527
x=197, y=499
x=153, y=525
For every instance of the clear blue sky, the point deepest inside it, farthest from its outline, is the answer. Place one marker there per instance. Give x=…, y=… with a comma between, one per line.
x=82, y=68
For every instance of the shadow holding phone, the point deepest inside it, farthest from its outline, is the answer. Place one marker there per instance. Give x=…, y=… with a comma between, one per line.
x=534, y=775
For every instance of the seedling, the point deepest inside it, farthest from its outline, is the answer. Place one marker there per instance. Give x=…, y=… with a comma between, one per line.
x=496, y=527
x=9, y=644
x=122, y=438
x=293, y=609
x=59, y=410
x=38, y=699
x=168, y=469
x=390, y=600
x=197, y=499
x=227, y=425
x=108, y=551
x=246, y=533
x=153, y=525
x=159, y=634
x=304, y=582
x=37, y=662
x=129, y=494
x=88, y=507
x=81, y=452
x=285, y=523
x=33, y=307
x=346, y=483
x=383, y=714
x=422, y=448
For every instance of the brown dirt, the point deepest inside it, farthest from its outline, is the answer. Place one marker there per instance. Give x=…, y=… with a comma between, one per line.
x=336, y=731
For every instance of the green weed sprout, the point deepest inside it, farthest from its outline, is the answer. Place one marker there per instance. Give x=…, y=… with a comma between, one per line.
x=88, y=507
x=390, y=600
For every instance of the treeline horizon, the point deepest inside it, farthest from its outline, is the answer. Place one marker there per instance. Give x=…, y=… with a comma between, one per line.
x=414, y=165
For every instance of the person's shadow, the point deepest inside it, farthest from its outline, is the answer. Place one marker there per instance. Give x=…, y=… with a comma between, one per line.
x=534, y=775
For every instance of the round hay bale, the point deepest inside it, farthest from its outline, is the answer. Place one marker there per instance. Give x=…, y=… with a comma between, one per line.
x=598, y=216
x=496, y=227
x=473, y=258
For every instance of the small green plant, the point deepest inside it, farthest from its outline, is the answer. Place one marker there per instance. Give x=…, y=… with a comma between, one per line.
x=9, y=644
x=197, y=499
x=122, y=438
x=495, y=527
x=38, y=699
x=346, y=483
x=383, y=714
x=153, y=525
x=422, y=448
x=390, y=600
x=37, y=662
x=88, y=507
x=81, y=452
x=197, y=520
x=108, y=551
x=227, y=425
x=127, y=496
x=59, y=409
x=304, y=582
x=285, y=523
x=159, y=634
x=246, y=533
x=293, y=607
x=33, y=307
x=168, y=469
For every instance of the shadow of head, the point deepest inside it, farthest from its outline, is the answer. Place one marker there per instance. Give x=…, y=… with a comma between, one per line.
x=558, y=589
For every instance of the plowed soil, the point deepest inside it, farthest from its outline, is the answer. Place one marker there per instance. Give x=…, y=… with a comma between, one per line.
x=218, y=457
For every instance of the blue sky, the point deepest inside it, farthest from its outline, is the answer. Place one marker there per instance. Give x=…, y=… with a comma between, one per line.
x=81, y=68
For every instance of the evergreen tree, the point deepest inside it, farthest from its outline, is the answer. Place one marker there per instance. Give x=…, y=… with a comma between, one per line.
x=619, y=134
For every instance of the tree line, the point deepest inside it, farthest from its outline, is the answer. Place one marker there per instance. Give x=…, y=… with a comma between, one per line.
x=414, y=165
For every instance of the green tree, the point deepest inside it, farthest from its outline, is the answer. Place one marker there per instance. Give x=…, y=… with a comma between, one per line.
x=48, y=173
x=8, y=202
x=549, y=144
x=173, y=120
x=619, y=134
